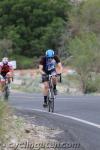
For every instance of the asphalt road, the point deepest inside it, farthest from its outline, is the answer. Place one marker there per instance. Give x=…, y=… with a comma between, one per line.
x=77, y=116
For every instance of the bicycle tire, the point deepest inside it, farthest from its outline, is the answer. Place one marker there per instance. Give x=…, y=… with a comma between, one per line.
x=48, y=101
x=51, y=101
x=48, y=105
x=52, y=105
x=6, y=92
x=60, y=78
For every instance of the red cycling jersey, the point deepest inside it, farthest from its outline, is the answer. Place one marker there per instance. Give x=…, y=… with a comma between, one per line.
x=5, y=68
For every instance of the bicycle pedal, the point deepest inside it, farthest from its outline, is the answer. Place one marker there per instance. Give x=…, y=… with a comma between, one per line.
x=45, y=105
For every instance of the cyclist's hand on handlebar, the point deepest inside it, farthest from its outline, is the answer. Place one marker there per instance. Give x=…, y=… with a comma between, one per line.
x=44, y=74
x=59, y=77
x=58, y=74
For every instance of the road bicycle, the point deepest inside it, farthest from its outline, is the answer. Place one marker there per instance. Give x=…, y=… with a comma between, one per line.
x=6, y=87
x=51, y=95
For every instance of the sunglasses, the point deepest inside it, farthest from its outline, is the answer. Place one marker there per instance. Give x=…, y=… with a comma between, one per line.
x=50, y=57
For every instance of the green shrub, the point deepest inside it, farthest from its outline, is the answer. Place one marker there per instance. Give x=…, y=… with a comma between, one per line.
x=24, y=62
x=91, y=86
x=97, y=80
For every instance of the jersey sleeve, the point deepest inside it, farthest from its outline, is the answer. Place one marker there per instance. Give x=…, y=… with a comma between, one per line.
x=10, y=66
x=57, y=59
x=1, y=66
x=41, y=61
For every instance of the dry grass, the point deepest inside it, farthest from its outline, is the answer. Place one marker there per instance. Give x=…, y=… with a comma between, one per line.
x=4, y=113
x=30, y=81
x=16, y=132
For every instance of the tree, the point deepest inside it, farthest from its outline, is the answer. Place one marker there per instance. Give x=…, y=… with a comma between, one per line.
x=33, y=25
x=85, y=17
x=85, y=51
x=84, y=45
x=5, y=47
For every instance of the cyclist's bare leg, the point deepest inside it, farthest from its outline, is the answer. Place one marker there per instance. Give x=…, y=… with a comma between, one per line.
x=10, y=77
x=2, y=86
x=9, y=80
x=54, y=78
x=55, y=83
x=2, y=83
x=45, y=91
x=45, y=88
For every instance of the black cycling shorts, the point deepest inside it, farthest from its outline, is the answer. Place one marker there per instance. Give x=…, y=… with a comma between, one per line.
x=44, y=78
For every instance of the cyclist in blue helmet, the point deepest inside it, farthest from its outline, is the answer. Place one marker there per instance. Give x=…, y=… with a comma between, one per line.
x=49, y=53
x=49, y=64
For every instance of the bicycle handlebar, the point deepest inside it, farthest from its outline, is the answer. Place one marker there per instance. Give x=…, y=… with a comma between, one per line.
x=59, y=75
x=60, y=79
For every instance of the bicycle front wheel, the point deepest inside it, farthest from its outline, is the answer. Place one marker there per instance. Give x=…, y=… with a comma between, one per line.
x=52, y=105
x=51, y=101
x=6, y=92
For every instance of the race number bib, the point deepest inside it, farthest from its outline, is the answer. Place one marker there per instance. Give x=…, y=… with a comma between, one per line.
x=50, y=64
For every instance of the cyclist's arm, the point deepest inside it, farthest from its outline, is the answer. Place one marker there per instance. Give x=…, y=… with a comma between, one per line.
x=59, y=68
x=59, y=71
x=59, y=65
x=11, y=70
x=41, y=63
x=0, y=69
x=41, y=69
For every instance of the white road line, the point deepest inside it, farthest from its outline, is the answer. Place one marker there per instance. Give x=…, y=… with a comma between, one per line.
x=65, y=116
x=28, y=97
x=41, y=97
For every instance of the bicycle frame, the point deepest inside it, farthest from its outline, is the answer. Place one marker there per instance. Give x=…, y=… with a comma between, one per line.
x=51, y=96
x=6, y=90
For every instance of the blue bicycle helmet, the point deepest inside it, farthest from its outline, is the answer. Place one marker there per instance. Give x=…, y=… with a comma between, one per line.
x=49, y=53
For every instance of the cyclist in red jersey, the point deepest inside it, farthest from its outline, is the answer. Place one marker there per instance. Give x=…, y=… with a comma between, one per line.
x=6, y=70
